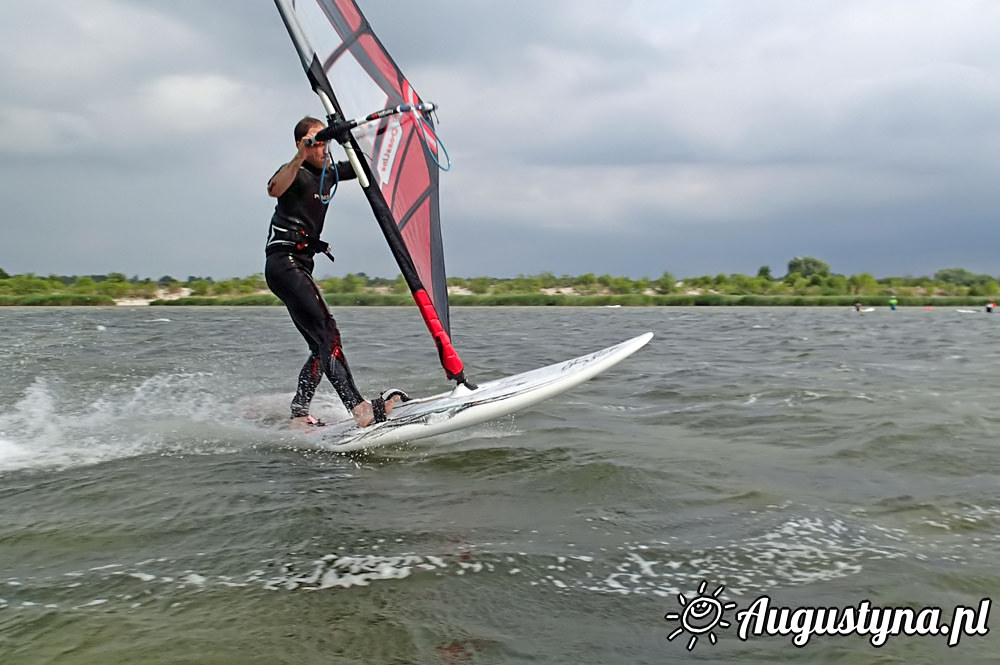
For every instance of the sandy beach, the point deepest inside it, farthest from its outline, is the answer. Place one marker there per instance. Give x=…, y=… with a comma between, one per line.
x=161, y=294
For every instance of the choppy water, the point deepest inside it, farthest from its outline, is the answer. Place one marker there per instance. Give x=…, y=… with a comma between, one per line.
x=155, y=511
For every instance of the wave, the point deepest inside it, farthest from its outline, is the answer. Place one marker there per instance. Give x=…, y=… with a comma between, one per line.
x=54, y=425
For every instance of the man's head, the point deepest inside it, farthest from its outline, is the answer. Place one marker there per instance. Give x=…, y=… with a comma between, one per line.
x=303, y=127
x=307, y=128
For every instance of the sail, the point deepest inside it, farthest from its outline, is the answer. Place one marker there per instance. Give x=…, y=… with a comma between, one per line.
x=355, y=76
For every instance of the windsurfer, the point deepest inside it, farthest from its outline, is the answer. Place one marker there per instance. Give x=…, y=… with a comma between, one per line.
x=292, y=242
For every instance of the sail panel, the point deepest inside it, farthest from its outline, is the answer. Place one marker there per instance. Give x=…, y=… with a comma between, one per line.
x=350, y=12
x=380, y=59
x=409, y=187
x=315, y=24
x=416, y=236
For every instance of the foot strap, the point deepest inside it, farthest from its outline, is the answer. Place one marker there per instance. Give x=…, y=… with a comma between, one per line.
x=311, y=421
x=378, y=404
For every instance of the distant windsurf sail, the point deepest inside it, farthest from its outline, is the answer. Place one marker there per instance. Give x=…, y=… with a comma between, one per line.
x=389, y=136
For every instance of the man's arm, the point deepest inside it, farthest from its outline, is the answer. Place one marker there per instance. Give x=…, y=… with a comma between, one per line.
x=345, y=171
x=283, y=179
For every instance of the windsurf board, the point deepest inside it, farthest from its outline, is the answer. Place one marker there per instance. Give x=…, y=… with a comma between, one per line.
x=462, y=407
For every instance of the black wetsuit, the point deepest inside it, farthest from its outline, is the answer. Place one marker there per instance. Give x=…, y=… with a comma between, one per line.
x=292, y=241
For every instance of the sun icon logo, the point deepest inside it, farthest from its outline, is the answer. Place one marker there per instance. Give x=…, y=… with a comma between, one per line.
x=701, y=615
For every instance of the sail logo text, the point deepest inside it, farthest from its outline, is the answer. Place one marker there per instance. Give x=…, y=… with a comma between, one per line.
x=390, y=146
x=704, y=613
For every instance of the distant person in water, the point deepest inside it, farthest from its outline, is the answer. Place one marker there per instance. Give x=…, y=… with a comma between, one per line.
x=292, y=241
x=857, y=306
x=892, y=303
x=990, y=306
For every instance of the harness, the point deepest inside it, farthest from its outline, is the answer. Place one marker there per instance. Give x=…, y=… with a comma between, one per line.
x=294, y=239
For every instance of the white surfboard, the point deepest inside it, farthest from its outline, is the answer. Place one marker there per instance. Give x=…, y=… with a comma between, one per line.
x=446, y=412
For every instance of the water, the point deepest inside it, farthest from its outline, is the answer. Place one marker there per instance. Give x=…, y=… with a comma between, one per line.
x=155, y=510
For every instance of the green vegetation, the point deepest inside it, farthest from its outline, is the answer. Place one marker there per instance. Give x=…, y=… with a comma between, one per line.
x=807, y=281
x=57, y=299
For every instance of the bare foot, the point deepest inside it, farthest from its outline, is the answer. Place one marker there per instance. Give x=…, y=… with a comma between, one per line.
x=365, y=416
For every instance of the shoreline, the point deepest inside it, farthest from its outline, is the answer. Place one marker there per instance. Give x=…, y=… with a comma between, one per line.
x=545, y=298
x=610, y=302
x=564, y=297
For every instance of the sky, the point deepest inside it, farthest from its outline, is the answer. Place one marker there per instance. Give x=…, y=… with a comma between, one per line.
x=624, y=137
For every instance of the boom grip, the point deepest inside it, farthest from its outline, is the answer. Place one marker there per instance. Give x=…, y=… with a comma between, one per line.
x=336, y=132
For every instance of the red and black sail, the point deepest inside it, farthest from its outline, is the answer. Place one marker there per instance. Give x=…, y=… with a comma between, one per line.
x=400, y=154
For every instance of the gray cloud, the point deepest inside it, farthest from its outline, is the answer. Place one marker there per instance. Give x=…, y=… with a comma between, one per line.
x=695, y=137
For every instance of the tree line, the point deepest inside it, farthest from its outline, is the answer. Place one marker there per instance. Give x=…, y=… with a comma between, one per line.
x=804, y=276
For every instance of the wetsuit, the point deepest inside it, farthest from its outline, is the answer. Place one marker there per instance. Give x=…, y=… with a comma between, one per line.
x=292, y=241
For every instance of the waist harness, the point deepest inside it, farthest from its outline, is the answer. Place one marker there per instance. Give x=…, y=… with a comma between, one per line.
x=290, y=237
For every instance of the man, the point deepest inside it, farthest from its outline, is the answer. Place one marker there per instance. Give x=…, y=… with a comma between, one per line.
x=292, y=241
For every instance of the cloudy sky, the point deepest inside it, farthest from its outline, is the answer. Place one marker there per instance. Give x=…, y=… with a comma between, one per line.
x=626, y=137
